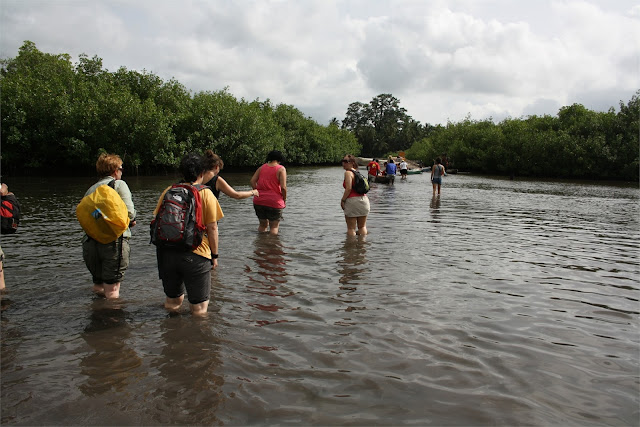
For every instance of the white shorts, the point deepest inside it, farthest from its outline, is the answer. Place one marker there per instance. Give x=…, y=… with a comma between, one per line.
x=357, y=206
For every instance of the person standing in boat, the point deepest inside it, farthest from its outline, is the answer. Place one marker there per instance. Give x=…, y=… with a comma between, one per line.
x=437, y=172
x=271, y=182
x=218, y=184
x=356, y=206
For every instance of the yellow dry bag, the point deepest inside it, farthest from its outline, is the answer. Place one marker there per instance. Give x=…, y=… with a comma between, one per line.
x=103, y=214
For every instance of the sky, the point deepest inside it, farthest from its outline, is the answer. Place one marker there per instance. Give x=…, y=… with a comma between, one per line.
x=444, y=60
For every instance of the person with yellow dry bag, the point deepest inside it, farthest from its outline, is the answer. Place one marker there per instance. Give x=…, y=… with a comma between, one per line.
x=105, y=213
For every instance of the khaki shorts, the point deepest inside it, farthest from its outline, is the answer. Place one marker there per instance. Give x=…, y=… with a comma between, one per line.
x=106, y=262
x=356, y=206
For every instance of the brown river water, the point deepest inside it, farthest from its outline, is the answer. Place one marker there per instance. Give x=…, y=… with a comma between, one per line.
x=501, y=303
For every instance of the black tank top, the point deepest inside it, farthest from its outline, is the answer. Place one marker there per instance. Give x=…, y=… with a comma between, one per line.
x=212, y=184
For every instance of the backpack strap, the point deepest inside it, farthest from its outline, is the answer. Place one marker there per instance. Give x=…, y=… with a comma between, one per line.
x=195, y=190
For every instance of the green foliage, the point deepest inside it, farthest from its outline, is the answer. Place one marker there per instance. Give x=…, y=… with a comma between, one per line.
x=55, y=113
x=578, y=143
x=382, y=126
x=58, y=113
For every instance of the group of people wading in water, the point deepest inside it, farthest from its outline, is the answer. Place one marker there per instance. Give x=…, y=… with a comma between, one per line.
x=390, y=169
x=189, y=271
x=184, y=271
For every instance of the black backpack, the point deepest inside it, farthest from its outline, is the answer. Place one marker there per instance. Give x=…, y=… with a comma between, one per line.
x=178, y=224
x=10, y=214
x=360, y=184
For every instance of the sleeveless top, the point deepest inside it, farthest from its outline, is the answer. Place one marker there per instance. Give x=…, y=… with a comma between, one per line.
x=212, y=184
x=353, y=192
x=437, y=171
x=268, y=186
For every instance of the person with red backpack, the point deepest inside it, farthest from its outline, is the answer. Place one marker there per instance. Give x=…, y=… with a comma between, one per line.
x=185, y=232
x=10, y=220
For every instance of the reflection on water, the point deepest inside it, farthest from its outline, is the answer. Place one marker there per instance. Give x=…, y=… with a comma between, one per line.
x=434, y=206
x=500, y=303
x=352, y=267
x=111, y=364
x=268, y=279
x=189, y=364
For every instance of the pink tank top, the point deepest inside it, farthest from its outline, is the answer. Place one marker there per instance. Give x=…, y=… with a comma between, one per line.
x=269, y=188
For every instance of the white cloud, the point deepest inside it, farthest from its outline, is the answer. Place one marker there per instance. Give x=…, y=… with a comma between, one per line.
x=443, y=59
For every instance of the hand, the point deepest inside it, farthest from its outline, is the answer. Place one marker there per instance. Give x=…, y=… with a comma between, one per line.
x=132, y=223
x=214, y=265
x=342, y=204
x=255, y=192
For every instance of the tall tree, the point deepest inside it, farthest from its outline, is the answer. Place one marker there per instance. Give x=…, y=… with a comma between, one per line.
x=380, y=126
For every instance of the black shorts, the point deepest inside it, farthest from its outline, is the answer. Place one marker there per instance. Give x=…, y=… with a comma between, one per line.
x=180, y=270
x=265, y=212
x=403, y=171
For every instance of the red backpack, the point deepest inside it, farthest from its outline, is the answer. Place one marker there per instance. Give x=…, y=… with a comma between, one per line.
x=10, y=211
x=178, y=224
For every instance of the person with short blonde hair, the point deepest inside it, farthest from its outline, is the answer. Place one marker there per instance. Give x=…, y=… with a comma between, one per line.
x=107, y=164
x=107, y=262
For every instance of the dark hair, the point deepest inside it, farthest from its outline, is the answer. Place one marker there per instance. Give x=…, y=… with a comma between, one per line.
x=191, y=166
x=375, y=160
x=438, y=161
x=391, y=160
x=352, y=160
x=211, y=160
x=275, y=155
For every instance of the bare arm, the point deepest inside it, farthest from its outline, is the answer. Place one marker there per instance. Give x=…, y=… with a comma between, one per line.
x=224, y=187
x=348, y=182
x=254, y=178
x=212, y=235
x=282, y=176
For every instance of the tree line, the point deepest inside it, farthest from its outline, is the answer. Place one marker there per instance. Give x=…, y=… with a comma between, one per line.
x=63, y=114
x=577, y=143
x=58, y=113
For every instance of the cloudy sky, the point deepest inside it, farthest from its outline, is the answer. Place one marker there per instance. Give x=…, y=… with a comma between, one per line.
x=443, y=59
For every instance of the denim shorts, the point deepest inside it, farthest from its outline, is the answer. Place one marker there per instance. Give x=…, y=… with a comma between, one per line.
x=437, y=181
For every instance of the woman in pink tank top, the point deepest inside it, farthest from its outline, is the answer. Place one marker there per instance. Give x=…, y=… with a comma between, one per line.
x=271, y=182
